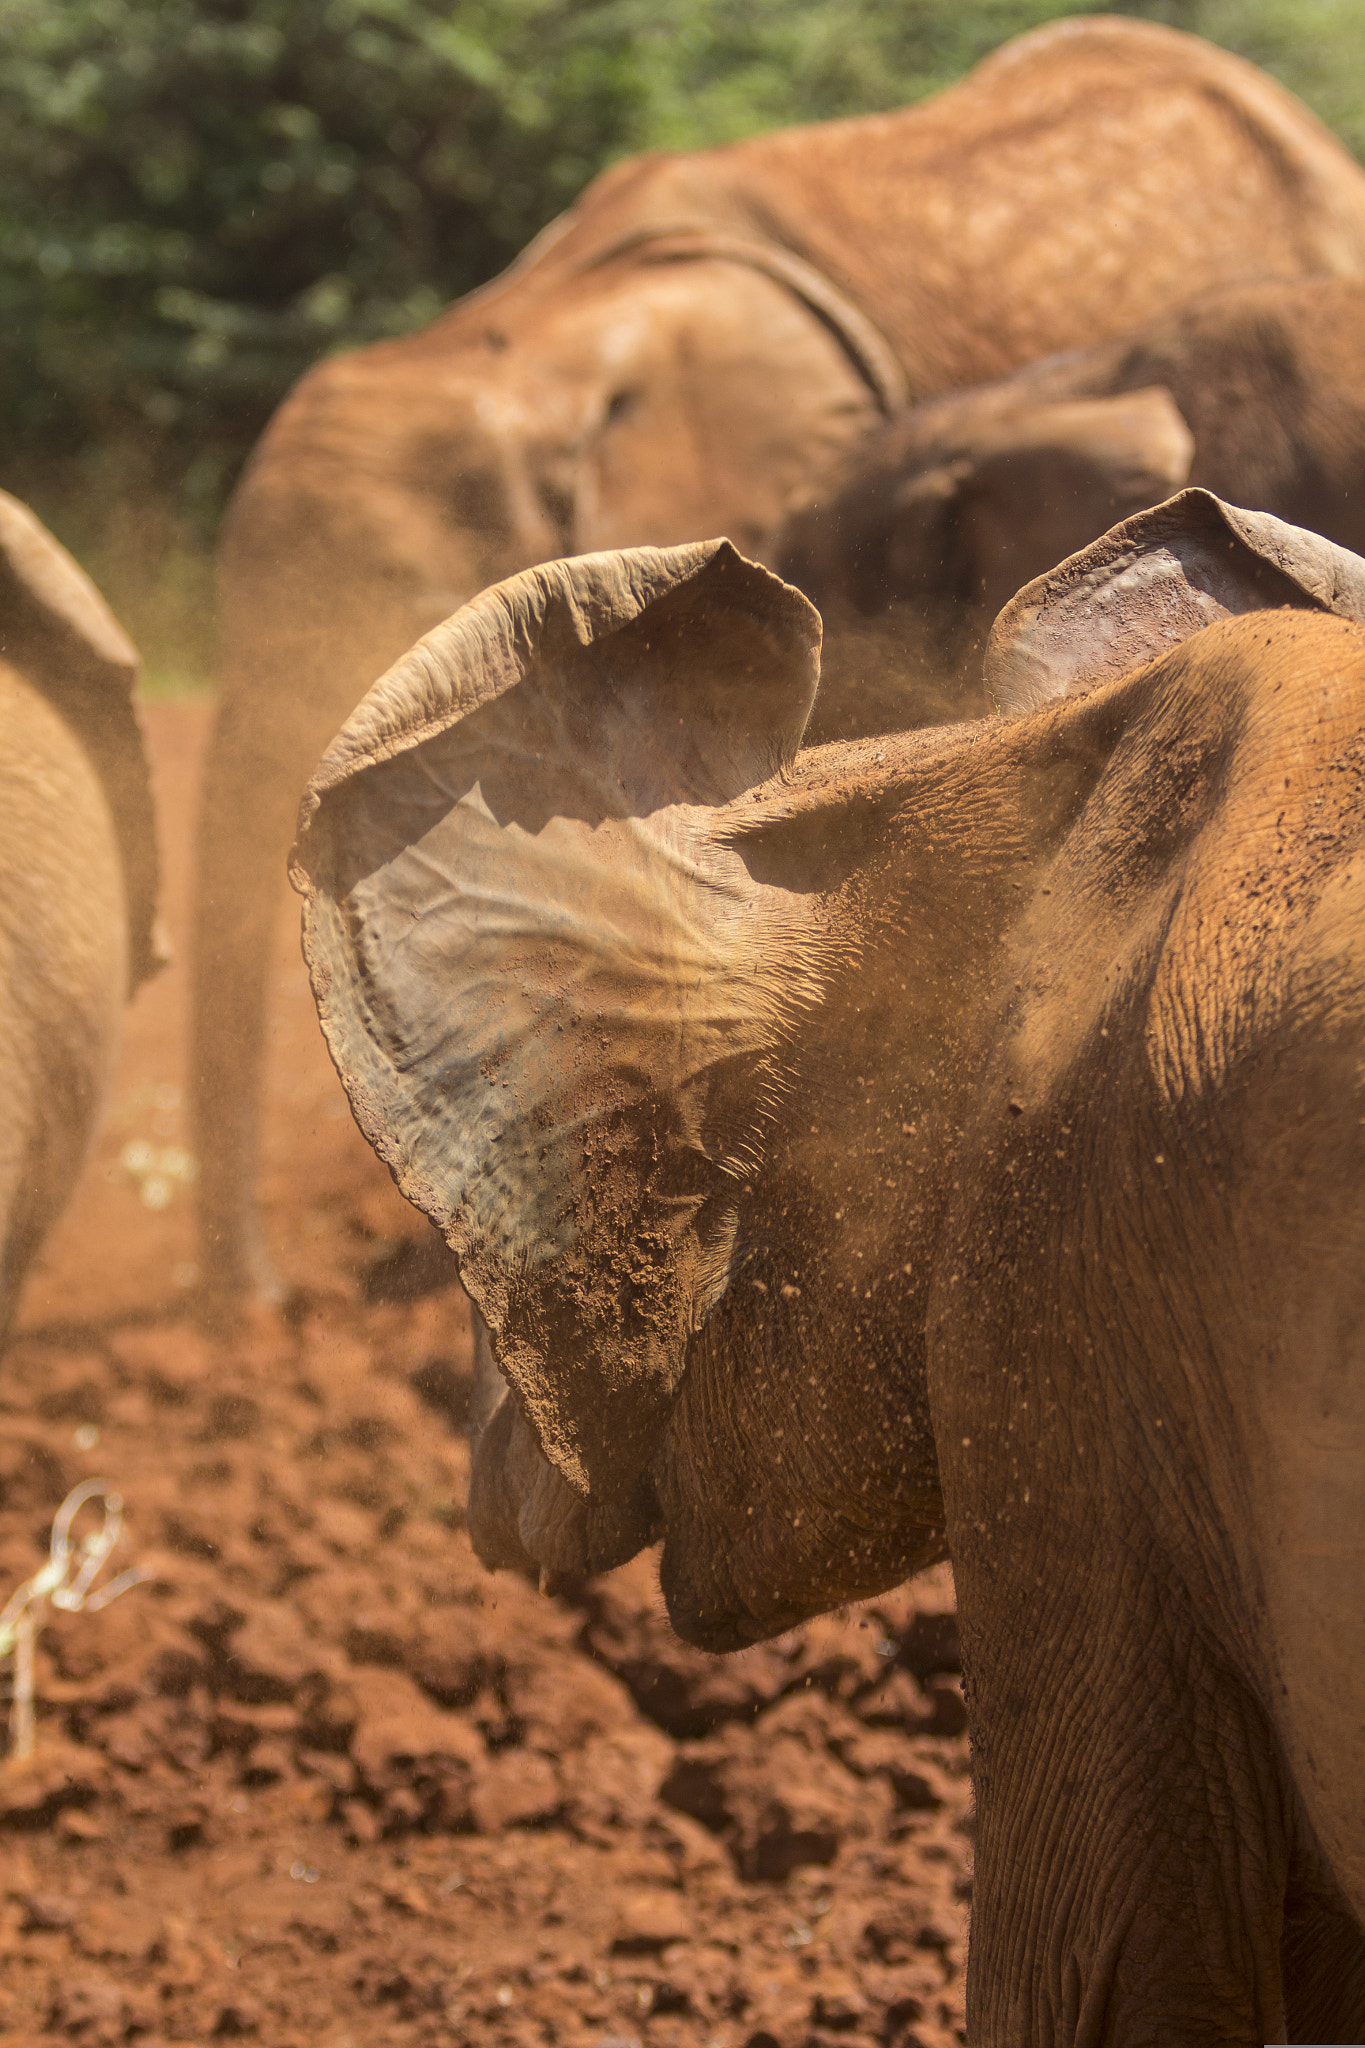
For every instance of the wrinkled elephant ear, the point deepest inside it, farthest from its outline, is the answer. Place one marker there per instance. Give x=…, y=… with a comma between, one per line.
x=56, y=629
x=525, y=949
x=1150, y=583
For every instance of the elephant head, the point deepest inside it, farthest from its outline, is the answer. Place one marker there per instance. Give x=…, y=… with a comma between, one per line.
x=599, y=720
x=58, y=632
x=970, y=497
x=653, y=389
x=657, y=386
x=672, y=1030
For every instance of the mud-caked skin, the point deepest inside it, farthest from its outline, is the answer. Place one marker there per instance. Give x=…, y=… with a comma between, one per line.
x=1146, y=1376
x=997, y=1093
x=688, y=352
x=77, y=875
x=1256, y=393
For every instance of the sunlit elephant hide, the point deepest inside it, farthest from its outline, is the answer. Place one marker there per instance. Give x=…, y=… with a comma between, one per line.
x=78, y=875
x=686, y=353
x=953, y=1139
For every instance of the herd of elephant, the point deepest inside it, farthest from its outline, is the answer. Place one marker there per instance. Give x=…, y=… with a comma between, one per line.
x=920, y=1116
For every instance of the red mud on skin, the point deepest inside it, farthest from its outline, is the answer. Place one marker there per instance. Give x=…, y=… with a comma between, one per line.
x=324, y=1781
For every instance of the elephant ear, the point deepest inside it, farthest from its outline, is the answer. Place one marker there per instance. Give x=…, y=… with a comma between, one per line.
x=533, y=964
x=1036, y=491
x=58, y=632
x=1150, y=583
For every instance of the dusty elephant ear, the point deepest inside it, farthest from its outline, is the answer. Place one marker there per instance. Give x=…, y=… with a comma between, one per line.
x=1150, y=583
x=56, y=629
x=526, y=954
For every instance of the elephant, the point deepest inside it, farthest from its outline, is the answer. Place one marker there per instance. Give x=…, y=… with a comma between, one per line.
x=686, y=352
x=78, y=874
x=942, y=1143
x=1256, y=393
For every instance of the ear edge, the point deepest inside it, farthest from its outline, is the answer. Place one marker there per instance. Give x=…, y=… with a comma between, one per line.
x=1290, y=566
x=493, y=644
x=1093, y=426
x=1181, y=449
x=385, y=1117
x=61, y=599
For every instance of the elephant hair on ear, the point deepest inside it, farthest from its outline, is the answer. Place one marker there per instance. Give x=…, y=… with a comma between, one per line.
x=59, y=633
x=1152, y=581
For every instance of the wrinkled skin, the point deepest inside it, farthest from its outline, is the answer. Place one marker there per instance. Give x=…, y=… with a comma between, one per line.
x=1146, y=1379
x=1019, y=1198
x=688, y=352
x=77, y=875
x=1256, y=394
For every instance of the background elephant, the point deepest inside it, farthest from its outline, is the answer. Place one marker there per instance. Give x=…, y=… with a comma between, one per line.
x=688, y=351
x=77, y=874
x=953, y=1129
x=1257, y=394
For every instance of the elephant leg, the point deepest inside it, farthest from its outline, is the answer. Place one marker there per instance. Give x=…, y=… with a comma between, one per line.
x=47, y=1126
x=1323, y=1957
x=19, y=1240
x=253, y=778
x=1132, y=1848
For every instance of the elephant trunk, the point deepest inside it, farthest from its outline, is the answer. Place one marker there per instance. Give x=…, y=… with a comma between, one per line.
x=340, y=550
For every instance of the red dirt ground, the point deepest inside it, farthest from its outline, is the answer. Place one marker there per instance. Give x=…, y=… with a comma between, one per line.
x=322, y=1779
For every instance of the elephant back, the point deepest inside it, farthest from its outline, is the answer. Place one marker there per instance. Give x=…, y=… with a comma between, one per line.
x=59, y=633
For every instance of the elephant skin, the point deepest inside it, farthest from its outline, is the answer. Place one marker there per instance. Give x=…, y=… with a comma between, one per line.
x=78, y=862
x=947, y=1140
x=1256, y=393
x=688, y=351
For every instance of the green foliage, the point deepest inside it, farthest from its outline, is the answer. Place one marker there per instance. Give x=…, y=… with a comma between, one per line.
x=203, y=196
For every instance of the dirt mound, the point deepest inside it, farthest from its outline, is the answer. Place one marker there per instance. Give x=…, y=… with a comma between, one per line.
x=321, y=1779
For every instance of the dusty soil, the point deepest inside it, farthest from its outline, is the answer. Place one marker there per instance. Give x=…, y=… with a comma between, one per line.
x=322, y=1779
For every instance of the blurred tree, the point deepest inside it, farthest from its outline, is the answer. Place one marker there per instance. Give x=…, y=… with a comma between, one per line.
x=202, y=196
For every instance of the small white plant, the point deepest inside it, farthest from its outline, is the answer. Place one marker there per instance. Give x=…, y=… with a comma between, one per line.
x=67, y=1580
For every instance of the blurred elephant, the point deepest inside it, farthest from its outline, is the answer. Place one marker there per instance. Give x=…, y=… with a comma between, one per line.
x=1256, y=393
x=686, y=352
x=951, y=1139
x=78, y=861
